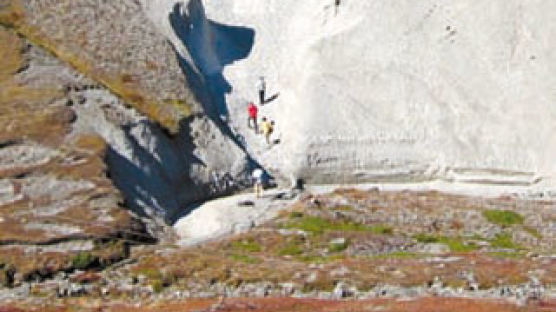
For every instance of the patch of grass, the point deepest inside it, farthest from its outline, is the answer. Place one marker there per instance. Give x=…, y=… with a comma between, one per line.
x=533, y=232
x=248, y=245
x=503, y=217
x=11, y=13
x=245, y=259
x=506, y=255
x=83, y=260
x=456, y=244
x=382, y=229
x=11, y=59
x=343, y=208
x=425, y=238
x=318, y=225
x=291, y=249
x=150, y=273
x=399, y=255
x=504, y=240
x=92, y=143
x=296, y=215
x=321, y=259
x=157, y=285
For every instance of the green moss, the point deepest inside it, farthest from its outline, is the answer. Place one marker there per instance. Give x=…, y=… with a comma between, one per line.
x=504, y=240
x=503, y=217
x=506, y=255
x=317, y=225
x=456, y=244
x=150, y=273
x=400, y=255
x=291, y=249
x=157, y=285
x=83, y=260
x=321, y=259
x=532, y=231
x=427, y=239
x=382, y=230
x=248, y=245
x=245, y=259
x=343, y=208
x=296, y=214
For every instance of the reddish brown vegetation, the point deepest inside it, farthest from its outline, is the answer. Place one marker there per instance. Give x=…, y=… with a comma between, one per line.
x=310, y=305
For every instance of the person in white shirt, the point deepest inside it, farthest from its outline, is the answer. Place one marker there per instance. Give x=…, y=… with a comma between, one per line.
x=258, y=180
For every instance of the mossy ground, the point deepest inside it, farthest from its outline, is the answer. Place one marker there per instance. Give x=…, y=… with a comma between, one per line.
x=299, y=244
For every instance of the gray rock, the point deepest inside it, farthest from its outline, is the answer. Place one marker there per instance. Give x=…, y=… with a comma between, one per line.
x=435, y=248
x=342, y=290
x=340, y=272
x=312, y=277
x=288, y=288
x=338, y=241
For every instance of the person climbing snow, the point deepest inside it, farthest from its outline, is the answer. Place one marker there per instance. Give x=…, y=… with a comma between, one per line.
x=258, y=181
x=336, y=6
x=267, y=127
x=261, y=86
x=252, y=110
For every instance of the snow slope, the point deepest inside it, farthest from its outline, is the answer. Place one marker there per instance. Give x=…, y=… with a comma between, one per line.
x=380, y=90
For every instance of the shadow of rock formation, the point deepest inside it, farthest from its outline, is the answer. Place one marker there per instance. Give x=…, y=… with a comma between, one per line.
x=211, y=46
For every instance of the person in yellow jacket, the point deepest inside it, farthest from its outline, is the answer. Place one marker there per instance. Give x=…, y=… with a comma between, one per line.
x=267, y=127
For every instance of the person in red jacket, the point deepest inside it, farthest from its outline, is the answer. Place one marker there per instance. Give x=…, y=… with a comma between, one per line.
x=253, y=111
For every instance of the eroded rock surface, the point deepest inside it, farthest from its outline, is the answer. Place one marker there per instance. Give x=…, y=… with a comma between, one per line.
x=169, y=150
x=54, y=190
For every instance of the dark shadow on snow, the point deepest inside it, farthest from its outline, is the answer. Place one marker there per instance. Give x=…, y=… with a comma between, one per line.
x=272, y=98
x=147, y=181
x=163, y=185
x=211, y=47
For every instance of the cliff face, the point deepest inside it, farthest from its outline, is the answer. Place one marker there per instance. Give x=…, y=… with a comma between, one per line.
x=390, y=90
x=172, y=157
x=55, y=198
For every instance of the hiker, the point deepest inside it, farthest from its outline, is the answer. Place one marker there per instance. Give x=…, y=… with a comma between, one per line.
x=253, y=111
x=261, y=86
x=267, y=127
x=258, y=181
x=336, y=6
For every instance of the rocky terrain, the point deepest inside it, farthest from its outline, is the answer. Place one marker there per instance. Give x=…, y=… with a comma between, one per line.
x=120, y=118
x=165, y=152
x=349, y=244
x=56, y=201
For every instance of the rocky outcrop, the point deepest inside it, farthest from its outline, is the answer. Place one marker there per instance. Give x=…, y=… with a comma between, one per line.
x=56, y=201
x=182, y=152
x=113, y=43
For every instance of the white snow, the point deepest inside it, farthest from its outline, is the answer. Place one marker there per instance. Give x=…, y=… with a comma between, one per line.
x=387, y=90
x=421, y=88
x=221, y=217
